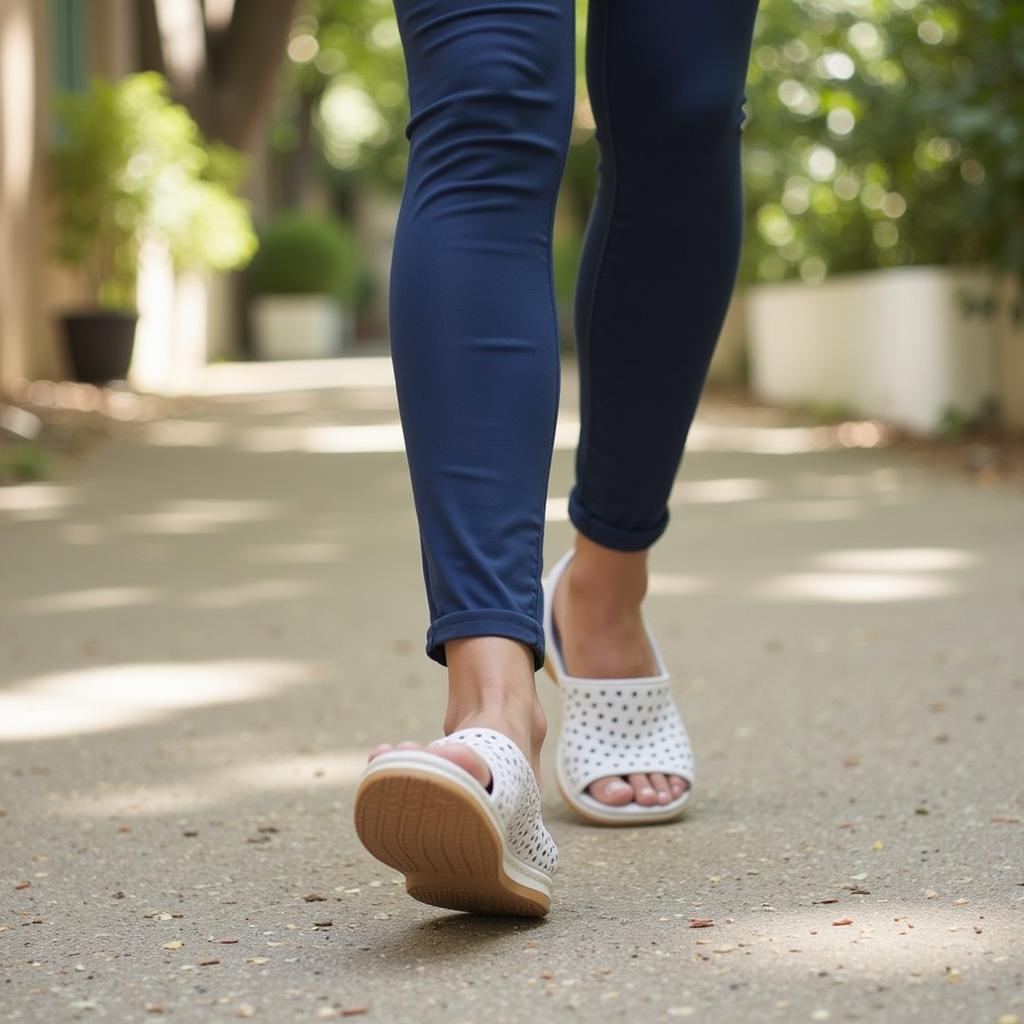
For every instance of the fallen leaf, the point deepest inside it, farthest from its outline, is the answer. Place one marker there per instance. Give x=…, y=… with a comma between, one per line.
x=701, y=922
x=842, y=921
x=352, y=1011
x=173, y=944
x=245, y=1010
x=22, y=885
x=209, y=963
x=727, y=948
x=315, y=897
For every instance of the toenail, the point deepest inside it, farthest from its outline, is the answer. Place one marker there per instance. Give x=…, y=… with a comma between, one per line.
x=617, y=787
x=646, y=791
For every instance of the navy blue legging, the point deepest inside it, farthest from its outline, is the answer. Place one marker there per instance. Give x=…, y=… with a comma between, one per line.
x=474, y=333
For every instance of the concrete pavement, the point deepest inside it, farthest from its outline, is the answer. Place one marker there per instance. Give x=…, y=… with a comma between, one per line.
x=203, y=628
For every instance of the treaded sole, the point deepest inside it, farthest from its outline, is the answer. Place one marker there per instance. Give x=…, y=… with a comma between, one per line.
x=433, y=832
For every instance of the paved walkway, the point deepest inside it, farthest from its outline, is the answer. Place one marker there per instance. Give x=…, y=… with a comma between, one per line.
x=203, y=628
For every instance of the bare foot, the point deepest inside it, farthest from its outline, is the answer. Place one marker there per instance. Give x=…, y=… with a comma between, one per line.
x=596, y=608
x=491, y=684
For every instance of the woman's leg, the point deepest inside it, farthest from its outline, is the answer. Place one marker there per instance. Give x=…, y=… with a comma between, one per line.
x=666, y=84
x=473, y=326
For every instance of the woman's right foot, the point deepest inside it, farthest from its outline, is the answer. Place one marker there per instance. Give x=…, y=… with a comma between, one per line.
x=492, y=685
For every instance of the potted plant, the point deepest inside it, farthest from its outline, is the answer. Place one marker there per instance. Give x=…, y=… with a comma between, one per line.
x=129, y=166
x=870, y=140
x=307, y=277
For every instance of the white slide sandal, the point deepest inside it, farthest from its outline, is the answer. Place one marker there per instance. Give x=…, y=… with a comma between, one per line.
x=459, y=845
x=615, y=727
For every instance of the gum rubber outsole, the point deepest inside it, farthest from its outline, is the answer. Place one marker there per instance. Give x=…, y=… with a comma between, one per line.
x=432, y=831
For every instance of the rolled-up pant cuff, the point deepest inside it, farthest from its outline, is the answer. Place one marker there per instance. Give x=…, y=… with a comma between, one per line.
x=613, y=537
x=488, y=622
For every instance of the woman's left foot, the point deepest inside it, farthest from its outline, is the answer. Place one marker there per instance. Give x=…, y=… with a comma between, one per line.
x=601, y=636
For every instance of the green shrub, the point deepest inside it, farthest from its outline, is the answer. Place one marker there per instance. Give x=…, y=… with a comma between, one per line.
x=130, y=165
x=303, y=255
x=884, y=134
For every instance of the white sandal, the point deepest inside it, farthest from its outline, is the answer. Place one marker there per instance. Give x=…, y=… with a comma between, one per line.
x=459, y=845
x=615, y=727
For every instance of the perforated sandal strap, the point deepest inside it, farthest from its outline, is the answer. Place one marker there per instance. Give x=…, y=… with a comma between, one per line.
x=616, y=727
x=514, y=794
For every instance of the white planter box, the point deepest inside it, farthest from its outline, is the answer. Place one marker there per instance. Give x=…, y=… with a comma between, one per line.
x=298, y=326
x=891, y=343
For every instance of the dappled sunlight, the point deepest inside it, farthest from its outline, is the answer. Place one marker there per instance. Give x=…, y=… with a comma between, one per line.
x=913, y=939
x=332, y=440
x=244, y=594
x=896, y=559
x=713, y=437
x=354, y=439
x=847, y=485
x=194, y=516
x=676, y=584
x=268, y=377
x=807, y=511
x=298, y=553
x=96, y=599
x=725, y=489
x=35, y=501
x=185, y=433
x=80, y=533
x=91, y=700
x=226, y=785
x=556, y=510
x=852, y=587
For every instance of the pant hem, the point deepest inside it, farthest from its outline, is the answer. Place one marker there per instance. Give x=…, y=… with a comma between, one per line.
x=613, y=537
x=488, y=622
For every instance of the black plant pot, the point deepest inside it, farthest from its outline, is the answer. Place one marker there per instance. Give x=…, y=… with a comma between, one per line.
x=100, y=344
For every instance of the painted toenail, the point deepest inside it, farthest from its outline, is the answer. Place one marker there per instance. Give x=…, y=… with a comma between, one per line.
x=617, y=787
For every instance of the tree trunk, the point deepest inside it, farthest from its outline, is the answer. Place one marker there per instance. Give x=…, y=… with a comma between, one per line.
x=224, y=73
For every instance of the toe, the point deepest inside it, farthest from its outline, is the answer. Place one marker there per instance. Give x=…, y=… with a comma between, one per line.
x=678, y=786
x=661, y=787
x=612, y=790
x=643, y=791
x=377, y=751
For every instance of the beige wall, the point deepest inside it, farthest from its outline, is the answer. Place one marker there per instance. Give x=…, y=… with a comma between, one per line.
x=33, y=288
x=26, y=342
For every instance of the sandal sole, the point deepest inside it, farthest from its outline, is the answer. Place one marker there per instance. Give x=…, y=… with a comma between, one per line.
x=439, y=837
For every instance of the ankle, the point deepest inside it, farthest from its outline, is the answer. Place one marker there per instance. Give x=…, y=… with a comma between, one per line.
x=602, y=600
x=491, y=683
x=603, y=584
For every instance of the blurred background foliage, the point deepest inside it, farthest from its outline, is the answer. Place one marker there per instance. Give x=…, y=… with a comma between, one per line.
x=879, y=132
x=883, y=133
